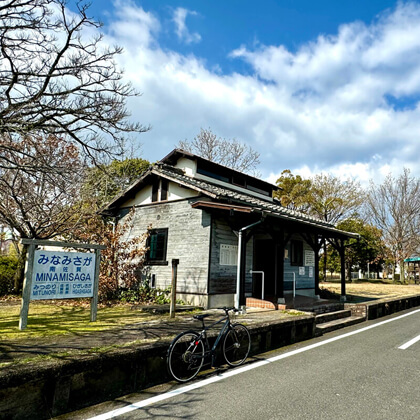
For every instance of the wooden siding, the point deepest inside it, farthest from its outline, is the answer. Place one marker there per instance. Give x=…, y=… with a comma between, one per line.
x=188, y=240
x=303, y=281
x=223, y=277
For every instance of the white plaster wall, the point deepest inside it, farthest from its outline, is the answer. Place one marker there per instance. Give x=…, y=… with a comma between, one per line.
x=144, y=196
x=188, y=165
x=176, y=192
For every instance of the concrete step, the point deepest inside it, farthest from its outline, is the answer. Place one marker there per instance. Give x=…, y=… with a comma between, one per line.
x=319, y=307
x=337, y=324
x=331, y=316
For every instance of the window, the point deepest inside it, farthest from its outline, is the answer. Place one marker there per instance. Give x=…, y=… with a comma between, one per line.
x=157, y=243
x=238, y=180
x=159, y=190
x=258, y=190
x=208, y=169
x=155, y=190
x=164, y=190
x=296, y=257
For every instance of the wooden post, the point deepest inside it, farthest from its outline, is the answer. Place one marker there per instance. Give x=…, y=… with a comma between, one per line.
x=342, y=252
x=94, y=300
x=316, y=274
x=279, y=268
x=26, y=295
x=418, y=263
x=242, y=269
x=175, y=263
x=317, y=247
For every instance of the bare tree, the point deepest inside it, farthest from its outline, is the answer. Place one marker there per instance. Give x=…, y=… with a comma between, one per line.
x=55, y=80
x=394, y=206
x=42, y=204
x=334, y=200
x=228, y=152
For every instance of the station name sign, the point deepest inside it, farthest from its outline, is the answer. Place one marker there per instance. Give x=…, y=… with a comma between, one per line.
x=62, y=275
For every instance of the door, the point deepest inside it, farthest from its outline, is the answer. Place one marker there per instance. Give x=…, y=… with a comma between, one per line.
x=264, y=260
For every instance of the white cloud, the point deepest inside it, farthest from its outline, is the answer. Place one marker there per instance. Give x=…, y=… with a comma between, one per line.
x=134, y=28
x=322, y=108
x=181, y=30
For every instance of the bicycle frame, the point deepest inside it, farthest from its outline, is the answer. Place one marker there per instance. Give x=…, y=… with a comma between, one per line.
x=203, y=336
x=191, y=349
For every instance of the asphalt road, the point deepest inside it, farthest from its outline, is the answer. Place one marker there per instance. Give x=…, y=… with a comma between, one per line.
x=370, y=371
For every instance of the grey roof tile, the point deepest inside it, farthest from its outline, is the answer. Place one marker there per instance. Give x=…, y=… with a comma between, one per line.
x=220, y=193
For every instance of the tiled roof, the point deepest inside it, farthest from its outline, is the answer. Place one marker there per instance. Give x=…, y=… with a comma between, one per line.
x=223, y=193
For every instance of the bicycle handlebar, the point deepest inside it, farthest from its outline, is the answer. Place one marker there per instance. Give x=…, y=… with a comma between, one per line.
x=226, y=309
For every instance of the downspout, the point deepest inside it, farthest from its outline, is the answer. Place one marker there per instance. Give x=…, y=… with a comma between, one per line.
x=238, y=271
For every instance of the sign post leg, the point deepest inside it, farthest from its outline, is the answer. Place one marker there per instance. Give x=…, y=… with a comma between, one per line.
x=94, y=300
x=27, y=283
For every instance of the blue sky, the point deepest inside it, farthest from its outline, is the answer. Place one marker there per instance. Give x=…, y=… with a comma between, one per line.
x=325, y=86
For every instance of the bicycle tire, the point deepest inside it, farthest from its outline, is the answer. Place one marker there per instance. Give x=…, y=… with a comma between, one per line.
x=236, y=345
x=185, y=356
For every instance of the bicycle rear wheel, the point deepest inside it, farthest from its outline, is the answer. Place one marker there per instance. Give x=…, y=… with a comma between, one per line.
x=185, y=356
x=236, y=345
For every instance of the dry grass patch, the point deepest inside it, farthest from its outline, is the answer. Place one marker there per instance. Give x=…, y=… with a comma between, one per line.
x=57, y=319
x=373, y=290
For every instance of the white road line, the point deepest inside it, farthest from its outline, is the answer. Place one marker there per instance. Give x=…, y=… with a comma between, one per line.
x=140, y=404
x=409, y=343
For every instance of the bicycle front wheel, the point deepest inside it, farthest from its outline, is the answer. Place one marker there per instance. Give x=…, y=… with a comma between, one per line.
x=236, y=345
x=185, y=356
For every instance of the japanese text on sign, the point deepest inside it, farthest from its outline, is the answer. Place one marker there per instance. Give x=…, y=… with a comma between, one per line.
x=61, y=275
x=309, y=258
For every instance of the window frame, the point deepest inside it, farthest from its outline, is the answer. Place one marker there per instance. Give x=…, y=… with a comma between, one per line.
x=161, y=258
x=155, y=190
x=164, y=189
x=296, y=253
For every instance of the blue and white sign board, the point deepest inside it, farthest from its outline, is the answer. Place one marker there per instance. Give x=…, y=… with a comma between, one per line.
x=62, y=275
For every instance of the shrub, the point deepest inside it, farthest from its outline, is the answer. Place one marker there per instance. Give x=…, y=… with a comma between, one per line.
x=8, y=267
x=146, y=295
x=121, y=259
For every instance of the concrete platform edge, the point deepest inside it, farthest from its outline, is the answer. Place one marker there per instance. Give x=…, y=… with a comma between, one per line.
x=59, y=386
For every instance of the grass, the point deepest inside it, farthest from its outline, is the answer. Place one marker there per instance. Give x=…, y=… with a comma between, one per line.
x=57, y=319
x=360, y=291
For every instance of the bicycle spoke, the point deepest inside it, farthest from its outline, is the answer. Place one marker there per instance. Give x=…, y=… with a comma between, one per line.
x=236, y=345
x=185, y=356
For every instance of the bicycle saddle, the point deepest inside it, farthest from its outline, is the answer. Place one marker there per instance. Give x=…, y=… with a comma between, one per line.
x=201, y=317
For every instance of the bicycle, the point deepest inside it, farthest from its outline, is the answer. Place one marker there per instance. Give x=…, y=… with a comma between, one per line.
x=187, y=352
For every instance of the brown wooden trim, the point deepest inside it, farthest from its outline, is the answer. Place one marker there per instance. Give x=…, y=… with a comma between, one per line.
x=62, y=244
x=221, y=206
